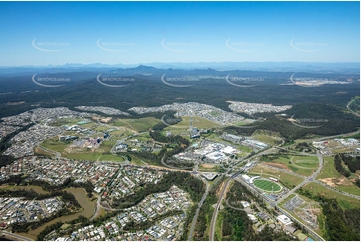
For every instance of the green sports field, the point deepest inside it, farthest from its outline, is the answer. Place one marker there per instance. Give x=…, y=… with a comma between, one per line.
x=266, y=185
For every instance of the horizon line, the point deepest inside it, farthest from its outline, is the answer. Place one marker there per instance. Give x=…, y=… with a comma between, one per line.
x=200, y=62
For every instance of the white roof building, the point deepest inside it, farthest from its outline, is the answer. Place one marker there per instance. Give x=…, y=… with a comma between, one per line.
x=252, y=217
x=245, y=204
x=229, y=150
x=284, y=220
x=246, y=178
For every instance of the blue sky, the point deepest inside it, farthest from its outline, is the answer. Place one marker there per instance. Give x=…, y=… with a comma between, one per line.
x=44, y=33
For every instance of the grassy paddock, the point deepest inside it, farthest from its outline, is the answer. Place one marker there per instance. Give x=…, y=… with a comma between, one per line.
x=266, y=139
x=302, y=165
x=328, y=170
x=342, y=183
x=141, y=124
x=344, y=201
x=198, y=122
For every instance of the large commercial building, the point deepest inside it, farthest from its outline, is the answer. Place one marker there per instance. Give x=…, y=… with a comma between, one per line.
x=284, y=220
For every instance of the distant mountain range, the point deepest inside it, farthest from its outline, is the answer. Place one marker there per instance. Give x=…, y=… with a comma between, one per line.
x=346, y=67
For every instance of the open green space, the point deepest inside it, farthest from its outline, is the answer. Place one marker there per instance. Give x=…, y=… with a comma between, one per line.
x=215, y=113
x=267, y=185
x=267, y=139
x=84, y=156
x=240, y=123
x=208, y=168
x=299, y=145
x=39, y=151
x=201, y=169
x=198, y=122
x=136, y=161
x=107, y=145
x=328, y=169
x=286, y=179
x=54, y=144
x=104, y=150
x=101, y=128
x=330, y=174
x=37, y=189
x=303, y=165
x=344, y=201
x=143, y=137
x=306, y=162
x=66, y=121
x=111, y=157
x=141, y=124
x=94, y=156
x=90, y=125
x=117, y=133
x=74, y=133
x=350, y=188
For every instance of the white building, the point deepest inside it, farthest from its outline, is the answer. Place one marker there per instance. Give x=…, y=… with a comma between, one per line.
x=252, y=218
x=284, y=220
x=245, y=204
x=246, y=178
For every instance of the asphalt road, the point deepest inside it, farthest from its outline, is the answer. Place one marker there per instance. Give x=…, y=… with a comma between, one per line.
x=348, y=107
x=15, y=236
x=215, y=213
x=194, y=221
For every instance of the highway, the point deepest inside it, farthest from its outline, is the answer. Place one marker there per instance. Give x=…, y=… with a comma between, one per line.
x=348, y=107
x=215, y=213
x=16, y=237
x=270, y=150
x=334, y=136
x=194, y=221
x=306, y=180
x=273, y=204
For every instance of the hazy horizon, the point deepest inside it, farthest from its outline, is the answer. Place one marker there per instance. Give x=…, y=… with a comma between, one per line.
x=56, y=33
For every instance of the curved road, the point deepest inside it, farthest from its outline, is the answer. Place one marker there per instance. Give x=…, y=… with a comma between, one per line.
x=348, y=107
x=97, y=208
x=239, y=209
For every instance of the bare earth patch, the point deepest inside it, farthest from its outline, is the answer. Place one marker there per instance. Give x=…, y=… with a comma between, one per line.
x=357, y=173
x=333, y=182
x=219, y=189
x=207, y=166
x=281, y=166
